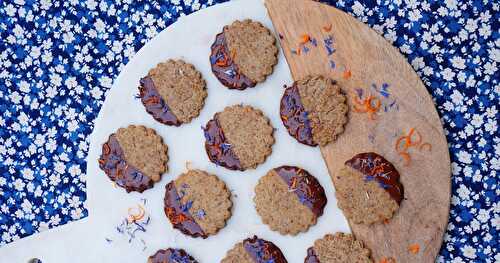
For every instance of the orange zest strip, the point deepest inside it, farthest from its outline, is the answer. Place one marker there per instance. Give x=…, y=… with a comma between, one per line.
x=410, y=136
x=414, y=248
x=304, y=38
x=347, y=74
x=137, y=216
x=405, y=145
x=426, y=145
x=327, y=28
x=388, y=260
x=371, y=105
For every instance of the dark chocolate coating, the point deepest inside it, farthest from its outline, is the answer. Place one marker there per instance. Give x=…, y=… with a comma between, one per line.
x=376, y=167
x=294, y=116
x=305, y=186
x=113, y=163
x=311, y=256
x=224, y=67
x=154, y=103
x=263, y=251
x=218, y=149
x=178, y=215
x=171, y=255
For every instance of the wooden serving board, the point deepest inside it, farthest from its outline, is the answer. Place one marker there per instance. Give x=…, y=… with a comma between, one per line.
x=319, y=39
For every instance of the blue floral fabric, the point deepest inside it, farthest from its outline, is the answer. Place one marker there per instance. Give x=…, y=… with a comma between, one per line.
x=59, y=58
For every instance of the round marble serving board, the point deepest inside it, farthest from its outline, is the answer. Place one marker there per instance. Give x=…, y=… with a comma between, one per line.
x=335, y=44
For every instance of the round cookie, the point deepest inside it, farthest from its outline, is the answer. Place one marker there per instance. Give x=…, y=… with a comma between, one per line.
x=238, y=138
x=197, y=203
x=254, y=250
x=134, y=158
x=171, y=255
x=338, y=248
x=243, y=54
x=314, y=110
x=368, y=189
x=289, y=199
x=173, y=92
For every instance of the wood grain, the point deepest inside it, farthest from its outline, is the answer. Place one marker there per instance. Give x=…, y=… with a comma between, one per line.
x=423, y=215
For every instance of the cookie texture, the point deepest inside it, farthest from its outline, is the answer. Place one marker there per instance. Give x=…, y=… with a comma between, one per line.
x=289, y=200
x=338, y=248
x=368, y=189
x=254, y=250
x=243, y=54
x=239, y=138
x=173, y=92
x=134, y=157
x=171, y=255
x=203, y=205
x=314, y=110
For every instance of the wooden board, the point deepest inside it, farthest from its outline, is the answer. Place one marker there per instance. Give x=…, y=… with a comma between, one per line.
x=335, y=44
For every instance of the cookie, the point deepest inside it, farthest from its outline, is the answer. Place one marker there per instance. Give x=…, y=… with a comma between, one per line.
x=243, y=54
x=134, y=158
x=338, y=248
x=254, y=250
x=238, y=138
x=314, y=110
x=289, y=199
x=173, y=92
x=171, y=255
x=368, y=189
x=197, y=203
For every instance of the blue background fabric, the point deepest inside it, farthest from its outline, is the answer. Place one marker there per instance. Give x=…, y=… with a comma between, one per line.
x=59, y=58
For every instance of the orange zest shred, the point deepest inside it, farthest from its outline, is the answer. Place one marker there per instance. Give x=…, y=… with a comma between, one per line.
x=371, y=105
x=410, y=136
x=134, y=217
x=406, y=158
x=414, y=248
x=347, y=74
x=388, y=260
x=327, y=28
x=304, y=38
x=425, y=145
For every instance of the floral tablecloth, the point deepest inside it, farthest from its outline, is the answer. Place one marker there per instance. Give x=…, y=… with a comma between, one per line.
x=59, y=58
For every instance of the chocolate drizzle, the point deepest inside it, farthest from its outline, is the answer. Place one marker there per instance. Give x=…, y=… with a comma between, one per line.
x=218, y=149
x=179, y=215
x=295, y=117
x=154, y=103
x=113, y=163
x=376, y=167
x=224, y=67
x=263, y=251
x=171, y=256
x=305, y=186
x=311, y=256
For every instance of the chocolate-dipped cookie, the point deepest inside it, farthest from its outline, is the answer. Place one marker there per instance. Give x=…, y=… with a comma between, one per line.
x=238, y=138
x=243, y=54
x=338, y=248
x=289, y=199
x=368, y=189
x=197, y=203
x=171, y=255
x=254, y=250
x=134, y=158
x=173, y=92
x=314, y=110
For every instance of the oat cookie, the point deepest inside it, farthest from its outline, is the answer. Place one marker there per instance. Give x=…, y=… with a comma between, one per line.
x=254, y=250
x=198, y=203
x=173, y=92
x=338, y=248
x=368, y=189
x=243, y=54
x=239, y=138
x=314, y=110
x=134, y=158
x=171, y=255
x=289, y=199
